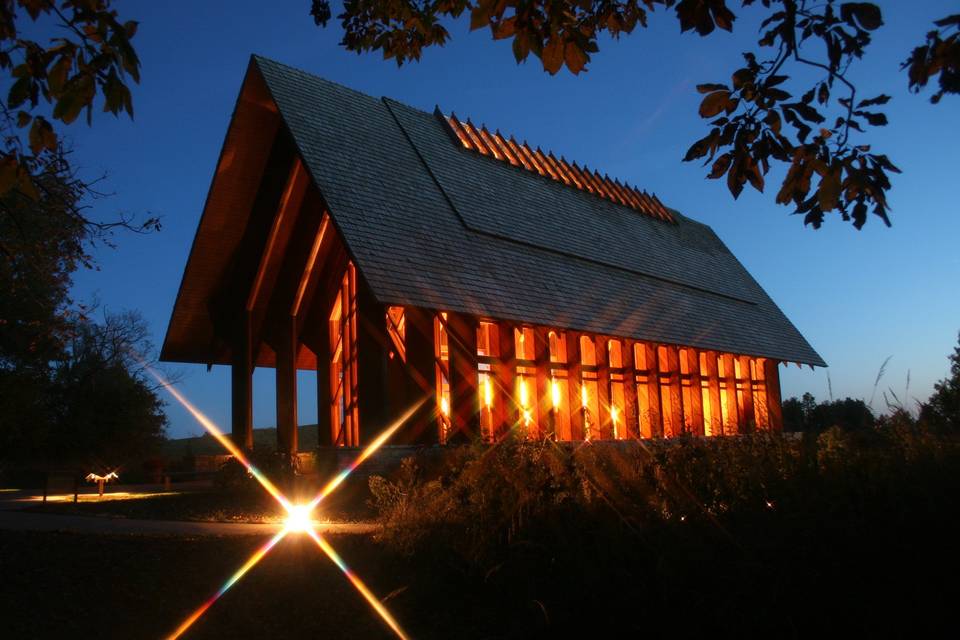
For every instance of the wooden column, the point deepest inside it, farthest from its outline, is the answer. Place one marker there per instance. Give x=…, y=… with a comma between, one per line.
x=732, y=426
x=748, y=421
x=464, y=398
x=421, y=379
x=542, y=403
x=694, y=421
x=504, y=402
x=574, y=380
x=771, y=373
x=652, y=422
x=286, y=372
x=604, y=423
x=673, y=418
x=713, y=381
x=241, y=386
x=630, y=414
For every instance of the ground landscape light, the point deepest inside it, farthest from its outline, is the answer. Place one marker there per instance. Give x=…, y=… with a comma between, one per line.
x=298, y=516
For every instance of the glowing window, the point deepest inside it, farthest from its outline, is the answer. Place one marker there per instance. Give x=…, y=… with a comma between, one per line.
x=527, y=399
x=588, y=352
x=524, y=343
x=615, y=354
x=590, y=403
x=486, y=339
x=342, y=332
x=397, y=330
x=441, y=349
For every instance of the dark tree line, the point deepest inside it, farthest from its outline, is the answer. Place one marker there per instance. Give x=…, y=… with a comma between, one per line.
x=940, y=412
x=71, y=390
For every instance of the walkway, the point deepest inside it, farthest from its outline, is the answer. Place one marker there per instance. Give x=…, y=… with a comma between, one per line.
x=14, y=519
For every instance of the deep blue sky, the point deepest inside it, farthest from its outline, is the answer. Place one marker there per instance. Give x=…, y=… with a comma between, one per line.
x=857, y=297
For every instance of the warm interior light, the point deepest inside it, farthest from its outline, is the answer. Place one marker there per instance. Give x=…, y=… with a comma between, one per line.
x=584, y=396
x=614, y=414
x=524, y=399
x=445, y=406
x=298, y=518
x=555, y=393
x=487, y=392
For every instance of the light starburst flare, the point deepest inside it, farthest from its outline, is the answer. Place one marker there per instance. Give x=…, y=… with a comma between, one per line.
x=299, y=518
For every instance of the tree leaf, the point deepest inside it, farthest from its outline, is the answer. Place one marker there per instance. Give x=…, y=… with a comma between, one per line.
x=867, y=14
x=552, y=55
x=714, y=103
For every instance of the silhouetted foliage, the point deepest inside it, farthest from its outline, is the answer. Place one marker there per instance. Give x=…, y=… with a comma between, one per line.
x=91, y=405
x=943, y=407
x=806, y=414
x=754, y=120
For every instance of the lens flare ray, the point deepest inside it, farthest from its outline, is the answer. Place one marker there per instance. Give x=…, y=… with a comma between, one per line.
x=220, y=437
x=370, y=449
x=358, y=583
x=298, y=515
x=232, y=580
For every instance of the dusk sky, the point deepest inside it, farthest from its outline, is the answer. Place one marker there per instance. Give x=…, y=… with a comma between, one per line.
x=858, y=297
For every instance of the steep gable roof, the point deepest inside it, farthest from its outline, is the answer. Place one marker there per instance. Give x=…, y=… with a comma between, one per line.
x=430, y=223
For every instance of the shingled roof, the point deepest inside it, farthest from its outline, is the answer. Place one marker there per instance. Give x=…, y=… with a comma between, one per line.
x=430, y=223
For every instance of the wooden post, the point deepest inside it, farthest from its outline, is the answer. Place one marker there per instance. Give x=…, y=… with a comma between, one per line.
x=630, y=413
x=574, y=380
x=241, y=385
x=286, y=383
x=542, y=404
x=421, y=367
x=747, y=420
x=464, y=398
x=673, y=416
x=651, y=420
x=732, y=426
x=604, y=423
x=504, y=404
x=713, y=382
x=771, y=373
x=695, y=419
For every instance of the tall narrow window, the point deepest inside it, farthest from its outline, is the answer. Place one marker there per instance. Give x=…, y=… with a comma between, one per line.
x=589, y=390
x=559, y=386
x=486, y=356
x=708, y=377
x=617, y=399
x=727, y=392
x=441, y=352
x=526, y=379
x=397, y=330
x=344, y=423
x=687, y=391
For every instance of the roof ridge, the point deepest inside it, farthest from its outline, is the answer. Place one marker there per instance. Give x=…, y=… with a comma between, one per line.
x=545, y=163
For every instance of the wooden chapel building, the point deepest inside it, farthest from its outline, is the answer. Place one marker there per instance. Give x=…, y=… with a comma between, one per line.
x=402, y=254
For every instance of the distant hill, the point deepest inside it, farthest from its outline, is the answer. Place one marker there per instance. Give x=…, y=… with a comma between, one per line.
x=206, y=445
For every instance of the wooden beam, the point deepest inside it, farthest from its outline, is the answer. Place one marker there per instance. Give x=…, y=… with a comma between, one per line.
x=771, y=374
x=286, y=377
x=630, y=413
x=574, y=382
x=504, y=403
x=289, y=202
x=604, y=423
x=732, y=425
x=241, y=386
x=694, y=420
x=546, y=424
x=672, y=410
x=714, y=420
x=464, y=398
x=748, y=419
x=650, y=412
